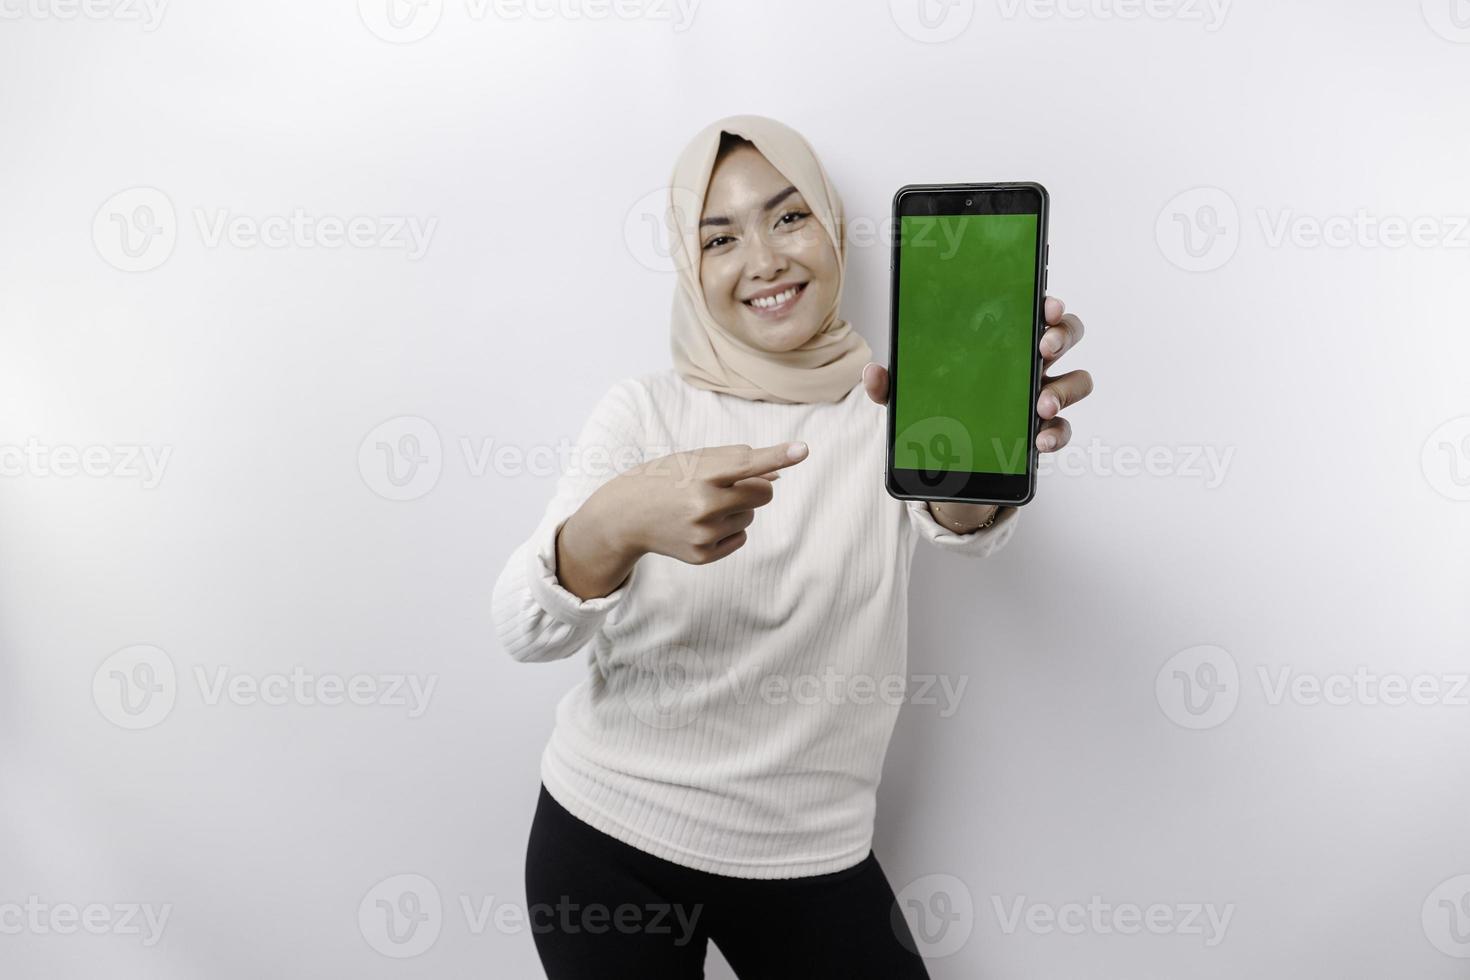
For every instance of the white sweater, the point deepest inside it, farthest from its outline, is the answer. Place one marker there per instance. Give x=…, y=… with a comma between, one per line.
x=734, y=716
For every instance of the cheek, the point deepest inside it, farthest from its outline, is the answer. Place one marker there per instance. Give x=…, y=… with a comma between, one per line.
x=716, y=280
x=824, y=270
x=816, y=253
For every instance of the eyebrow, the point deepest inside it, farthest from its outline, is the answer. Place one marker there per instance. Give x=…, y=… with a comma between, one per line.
x=775, y=200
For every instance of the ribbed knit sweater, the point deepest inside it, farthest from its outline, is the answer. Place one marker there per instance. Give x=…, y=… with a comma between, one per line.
x=733, y=716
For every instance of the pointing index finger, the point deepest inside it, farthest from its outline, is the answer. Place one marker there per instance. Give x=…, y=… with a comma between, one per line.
x=758, y=462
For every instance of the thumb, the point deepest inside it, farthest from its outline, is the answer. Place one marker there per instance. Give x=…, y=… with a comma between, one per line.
x=875, y=382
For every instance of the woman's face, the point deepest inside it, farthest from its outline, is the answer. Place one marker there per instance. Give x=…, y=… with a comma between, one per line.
x=759, y=240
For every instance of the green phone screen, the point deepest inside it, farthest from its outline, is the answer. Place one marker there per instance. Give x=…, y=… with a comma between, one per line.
x=966, y=308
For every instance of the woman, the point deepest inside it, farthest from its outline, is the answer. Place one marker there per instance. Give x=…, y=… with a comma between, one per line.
x=690, y=791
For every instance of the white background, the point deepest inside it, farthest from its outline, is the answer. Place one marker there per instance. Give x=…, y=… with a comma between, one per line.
x=1331, y=377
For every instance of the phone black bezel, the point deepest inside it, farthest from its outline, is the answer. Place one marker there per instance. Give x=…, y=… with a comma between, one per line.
x=977, y=488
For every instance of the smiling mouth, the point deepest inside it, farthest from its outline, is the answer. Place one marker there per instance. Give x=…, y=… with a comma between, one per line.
x=778, y=305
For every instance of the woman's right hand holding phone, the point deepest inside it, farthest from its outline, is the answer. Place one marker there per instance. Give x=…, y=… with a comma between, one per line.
x=693, y=506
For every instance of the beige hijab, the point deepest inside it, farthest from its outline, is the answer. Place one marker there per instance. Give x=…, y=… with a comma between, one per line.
x=823, y=369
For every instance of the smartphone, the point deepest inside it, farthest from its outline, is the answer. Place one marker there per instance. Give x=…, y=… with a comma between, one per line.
x=968, y=283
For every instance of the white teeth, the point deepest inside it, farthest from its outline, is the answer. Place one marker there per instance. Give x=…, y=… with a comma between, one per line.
x=777, y=300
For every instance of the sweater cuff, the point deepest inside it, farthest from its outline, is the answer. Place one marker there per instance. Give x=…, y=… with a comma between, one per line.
x=979, y=543
x=553, y=597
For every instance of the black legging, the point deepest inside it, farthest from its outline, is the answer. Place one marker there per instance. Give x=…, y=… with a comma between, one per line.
x=600, y=908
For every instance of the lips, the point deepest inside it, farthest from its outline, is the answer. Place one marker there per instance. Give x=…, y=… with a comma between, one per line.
x=776, y=301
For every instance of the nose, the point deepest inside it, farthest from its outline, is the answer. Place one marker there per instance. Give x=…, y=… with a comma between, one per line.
x=763, y=261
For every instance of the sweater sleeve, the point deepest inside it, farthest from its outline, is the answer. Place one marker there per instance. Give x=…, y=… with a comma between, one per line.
x=536, y=618
x=976, y=544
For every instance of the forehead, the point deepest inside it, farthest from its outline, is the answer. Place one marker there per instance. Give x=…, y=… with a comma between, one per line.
x=743, y=180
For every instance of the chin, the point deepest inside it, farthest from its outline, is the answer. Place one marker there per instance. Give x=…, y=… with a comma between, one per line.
x=780, y=337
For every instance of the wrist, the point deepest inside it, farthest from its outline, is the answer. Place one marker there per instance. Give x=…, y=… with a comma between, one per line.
x=603, y=523
x=592, y=557
x=964, y=518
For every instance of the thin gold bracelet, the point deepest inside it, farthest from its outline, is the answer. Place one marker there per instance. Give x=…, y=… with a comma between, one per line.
x=979, y=527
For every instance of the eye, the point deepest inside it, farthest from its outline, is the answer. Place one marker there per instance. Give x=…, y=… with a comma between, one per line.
x=793, y=216
x=714, y=242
